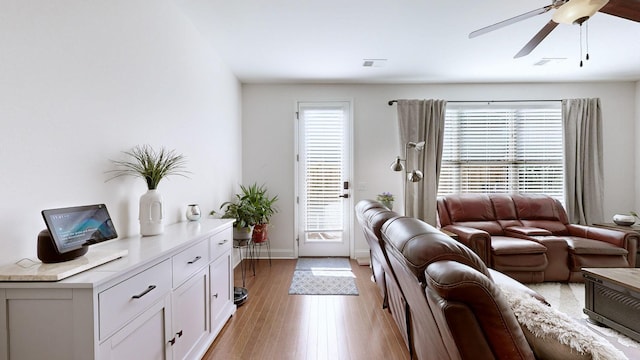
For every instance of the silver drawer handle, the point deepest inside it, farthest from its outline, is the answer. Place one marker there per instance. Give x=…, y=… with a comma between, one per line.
x=194, y=260
x=223, y=242
x=151, y=287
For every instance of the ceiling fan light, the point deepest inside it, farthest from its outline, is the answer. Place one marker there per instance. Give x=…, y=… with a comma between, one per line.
x=576, y=10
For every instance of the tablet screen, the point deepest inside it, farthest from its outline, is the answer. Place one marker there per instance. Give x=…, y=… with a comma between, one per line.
x=74, y=227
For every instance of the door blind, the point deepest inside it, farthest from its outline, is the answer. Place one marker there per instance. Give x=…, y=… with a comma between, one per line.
x=503, y=147
x=323, y=164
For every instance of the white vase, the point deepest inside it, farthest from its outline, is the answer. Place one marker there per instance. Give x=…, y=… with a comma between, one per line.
x=151, y=213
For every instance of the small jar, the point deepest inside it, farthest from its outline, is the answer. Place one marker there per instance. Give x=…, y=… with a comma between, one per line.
x=193, y=212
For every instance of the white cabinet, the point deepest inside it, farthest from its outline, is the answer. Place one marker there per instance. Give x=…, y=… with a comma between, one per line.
x=124, y=301
x=221, y=280
x=167, y=299
x=221, y=291
x=144, y=337
x=190, y=310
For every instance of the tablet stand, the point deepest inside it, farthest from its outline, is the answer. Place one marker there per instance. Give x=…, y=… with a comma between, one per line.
x=48, y=252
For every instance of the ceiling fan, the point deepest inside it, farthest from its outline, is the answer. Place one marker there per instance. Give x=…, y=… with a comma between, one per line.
x=567, y=12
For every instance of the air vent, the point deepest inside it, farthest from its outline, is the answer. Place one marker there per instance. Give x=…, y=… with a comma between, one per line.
x=374, y=62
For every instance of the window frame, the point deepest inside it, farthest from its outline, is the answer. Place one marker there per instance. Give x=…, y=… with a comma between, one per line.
x=522, y=139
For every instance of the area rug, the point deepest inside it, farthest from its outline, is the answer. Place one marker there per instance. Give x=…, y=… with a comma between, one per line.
x=569, y=298
x=323, y=276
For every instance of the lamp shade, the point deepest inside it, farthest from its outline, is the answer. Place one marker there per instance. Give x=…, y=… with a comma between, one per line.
x=397, y=165
x=415, y=176
x=577, y=11
x=419, y=146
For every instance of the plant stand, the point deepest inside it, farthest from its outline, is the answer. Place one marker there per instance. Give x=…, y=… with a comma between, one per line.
x=259, y=245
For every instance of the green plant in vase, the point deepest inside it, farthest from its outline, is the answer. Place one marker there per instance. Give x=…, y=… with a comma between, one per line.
x=386, y=198
x=244, y=215
x=151, y=165
x=264, y=205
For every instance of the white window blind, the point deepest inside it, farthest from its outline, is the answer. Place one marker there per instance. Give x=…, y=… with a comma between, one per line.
x=503, y=148
x=323, y=163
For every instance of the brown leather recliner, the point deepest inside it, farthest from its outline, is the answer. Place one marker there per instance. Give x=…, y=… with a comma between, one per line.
x=529, y=238
x=456, y=310
x=371, y=216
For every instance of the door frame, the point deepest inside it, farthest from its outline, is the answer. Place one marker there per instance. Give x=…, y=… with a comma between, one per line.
x=349, y=215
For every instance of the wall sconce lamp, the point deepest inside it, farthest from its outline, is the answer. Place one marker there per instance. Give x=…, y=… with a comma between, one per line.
x=414, y=175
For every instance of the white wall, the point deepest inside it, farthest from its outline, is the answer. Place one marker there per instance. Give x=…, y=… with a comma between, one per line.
x=268, y=133
x=83, y=80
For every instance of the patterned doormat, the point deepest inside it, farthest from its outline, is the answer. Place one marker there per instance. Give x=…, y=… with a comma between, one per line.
x=323, y=276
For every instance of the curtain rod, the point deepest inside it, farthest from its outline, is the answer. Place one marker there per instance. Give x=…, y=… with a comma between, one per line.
x=391, y=102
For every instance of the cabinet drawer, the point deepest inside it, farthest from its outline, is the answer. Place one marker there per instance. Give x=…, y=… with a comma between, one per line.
x=221, y=243
x=187, y=262
x=124, y=301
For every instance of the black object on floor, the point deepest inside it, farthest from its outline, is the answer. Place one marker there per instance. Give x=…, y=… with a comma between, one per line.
x=240, y=295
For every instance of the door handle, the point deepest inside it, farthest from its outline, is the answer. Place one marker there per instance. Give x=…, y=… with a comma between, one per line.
x=344, y=196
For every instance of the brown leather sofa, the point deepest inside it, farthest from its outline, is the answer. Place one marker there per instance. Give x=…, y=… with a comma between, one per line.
x=371, y=216
x=529, y=238
x=456, y=310
x=467, y=319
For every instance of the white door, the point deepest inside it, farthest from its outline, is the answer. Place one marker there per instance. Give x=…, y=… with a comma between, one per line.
x=323, y=184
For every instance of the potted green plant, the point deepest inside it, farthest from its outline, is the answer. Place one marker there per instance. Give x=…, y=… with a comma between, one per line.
x=264, y=206
x=386, y=198
x=152, y=165
x=244, y=214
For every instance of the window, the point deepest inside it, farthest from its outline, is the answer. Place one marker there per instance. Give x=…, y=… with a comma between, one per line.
x=323, y=163
x=503, y=147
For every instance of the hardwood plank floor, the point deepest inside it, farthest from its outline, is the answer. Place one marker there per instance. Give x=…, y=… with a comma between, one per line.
x=275, y=325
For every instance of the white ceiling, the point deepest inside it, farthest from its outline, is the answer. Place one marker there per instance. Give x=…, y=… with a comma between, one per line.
x=424, y=41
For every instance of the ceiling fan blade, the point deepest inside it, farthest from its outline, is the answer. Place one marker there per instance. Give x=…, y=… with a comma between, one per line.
x=627, y=9
x=513, y=20
x=537, y=39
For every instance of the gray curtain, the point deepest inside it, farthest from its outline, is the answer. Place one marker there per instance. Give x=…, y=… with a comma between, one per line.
x=422, y=120
x=582, y=125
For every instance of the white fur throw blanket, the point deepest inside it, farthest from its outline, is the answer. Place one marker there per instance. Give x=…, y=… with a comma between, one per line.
x=554, y=335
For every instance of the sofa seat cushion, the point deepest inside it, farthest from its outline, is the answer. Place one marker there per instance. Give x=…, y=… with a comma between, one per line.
x=513, y=254
x=504, y=245
x=593, y=253
x=584, y=246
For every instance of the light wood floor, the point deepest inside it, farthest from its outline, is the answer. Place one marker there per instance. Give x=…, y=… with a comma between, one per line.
x=275, y=325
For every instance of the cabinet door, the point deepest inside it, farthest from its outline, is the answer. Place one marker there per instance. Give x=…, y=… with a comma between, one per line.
x=146, y=337
x=190, y=313
x=221, y=291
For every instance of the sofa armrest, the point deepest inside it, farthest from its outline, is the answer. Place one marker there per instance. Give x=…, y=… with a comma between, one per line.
x=628, y=240
x=479, y=241
x=527, y=231
x=614, y=237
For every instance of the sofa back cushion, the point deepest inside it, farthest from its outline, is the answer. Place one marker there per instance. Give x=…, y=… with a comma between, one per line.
x=505, y=210
x=472, y=210
x=417, y=244
x=475, y=320
x=541, y=211
x=364, y=210
x=411, y=245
